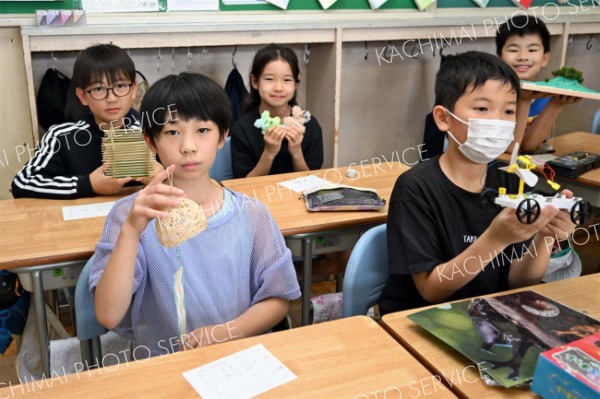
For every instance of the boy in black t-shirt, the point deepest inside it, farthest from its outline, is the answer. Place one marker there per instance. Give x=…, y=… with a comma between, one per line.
x=446, y=238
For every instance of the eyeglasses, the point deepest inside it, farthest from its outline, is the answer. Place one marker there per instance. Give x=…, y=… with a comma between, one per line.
x=119, y=90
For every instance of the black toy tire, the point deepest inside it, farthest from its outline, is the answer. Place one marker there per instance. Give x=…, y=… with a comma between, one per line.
x=528, y=211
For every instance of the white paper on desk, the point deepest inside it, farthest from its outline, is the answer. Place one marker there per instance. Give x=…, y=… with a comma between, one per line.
x=244, y=374
x=192, y=5
x=305, y=183
x=87, y=211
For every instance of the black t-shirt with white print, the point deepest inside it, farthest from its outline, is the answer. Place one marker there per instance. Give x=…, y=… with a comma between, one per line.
x=431, y=221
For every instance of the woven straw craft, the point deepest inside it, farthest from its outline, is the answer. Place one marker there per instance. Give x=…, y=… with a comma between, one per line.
x=181, y=223
x=125, y=153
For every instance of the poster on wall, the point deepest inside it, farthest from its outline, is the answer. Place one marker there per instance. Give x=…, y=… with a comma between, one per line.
x=375, y=4
x=525, y=4
x=283, y=4
x=423, y=5
x=243, y=2
x=192, y=5
x=326, y=3
x=104, y=6
x=481, y=3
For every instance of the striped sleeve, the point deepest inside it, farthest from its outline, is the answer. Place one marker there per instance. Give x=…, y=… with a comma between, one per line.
x=44, y=175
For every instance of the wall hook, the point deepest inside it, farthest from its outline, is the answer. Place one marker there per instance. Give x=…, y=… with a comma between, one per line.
x=190, y=55
x=590, y=42
x=233, y=57
x=414, y=53
x=306, y=56
x=173, y=59
x=158, y=60
x=366, y=51
x=387, y=53
x=54, y=60
x=202, y=57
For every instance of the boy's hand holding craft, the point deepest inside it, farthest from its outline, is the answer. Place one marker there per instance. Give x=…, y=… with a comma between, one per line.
x=561, y=226
x=153, y=201
x=106, y=185
x=506, y=228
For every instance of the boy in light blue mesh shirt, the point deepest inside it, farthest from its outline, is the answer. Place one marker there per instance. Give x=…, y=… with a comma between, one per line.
x=238, y=273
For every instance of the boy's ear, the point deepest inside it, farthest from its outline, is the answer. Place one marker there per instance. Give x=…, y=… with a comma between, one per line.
x=81, y=96
x=150, y=143
x=134, y=88
x=441, y=118
x=222, y=141
x=545, y=59
x=253, y=82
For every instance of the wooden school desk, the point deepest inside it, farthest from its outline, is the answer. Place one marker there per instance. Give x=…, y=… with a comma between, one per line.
x=571, y=142
x=346, y=358
x=34, y=237
x=307, y=233
x=579, y=293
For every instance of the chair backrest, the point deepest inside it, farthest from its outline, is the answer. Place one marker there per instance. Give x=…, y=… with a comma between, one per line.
x=222, y=168
x=367, y=272
x=85, y=316
x=596, y=123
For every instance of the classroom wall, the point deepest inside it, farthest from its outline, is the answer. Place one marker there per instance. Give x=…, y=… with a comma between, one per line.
x=382, y=106
x=15, y=126
x=579, y=116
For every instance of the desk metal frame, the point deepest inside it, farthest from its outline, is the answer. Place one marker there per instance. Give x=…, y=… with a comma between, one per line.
x=40, y=305
x=307, y=240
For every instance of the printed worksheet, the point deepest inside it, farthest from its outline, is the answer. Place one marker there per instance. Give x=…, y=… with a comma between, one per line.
x=305, y=183
x=87, y=211
x=241, y=375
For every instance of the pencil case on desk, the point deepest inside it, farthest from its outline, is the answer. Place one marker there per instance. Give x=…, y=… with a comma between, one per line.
x=343, y=198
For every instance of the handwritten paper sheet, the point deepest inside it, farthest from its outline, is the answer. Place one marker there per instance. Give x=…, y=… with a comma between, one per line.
x=241, y=375
x=302, y=184
x=87, y=211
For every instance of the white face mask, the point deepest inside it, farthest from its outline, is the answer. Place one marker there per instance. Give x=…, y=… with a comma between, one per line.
x=486, y=138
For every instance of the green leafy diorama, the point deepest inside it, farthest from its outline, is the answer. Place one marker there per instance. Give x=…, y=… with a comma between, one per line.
x=568, y=73
x=566, y=78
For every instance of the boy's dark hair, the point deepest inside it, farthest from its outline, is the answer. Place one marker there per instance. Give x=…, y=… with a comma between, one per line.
x=468, y=71
x=99, y=61
x=184, y=97
x=522, y=25
x=265, y=55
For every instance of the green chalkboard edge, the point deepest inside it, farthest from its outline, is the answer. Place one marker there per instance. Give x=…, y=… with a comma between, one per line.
x=27, y=7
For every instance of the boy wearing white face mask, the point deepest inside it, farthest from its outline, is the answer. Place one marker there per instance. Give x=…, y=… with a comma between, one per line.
x=446, y=238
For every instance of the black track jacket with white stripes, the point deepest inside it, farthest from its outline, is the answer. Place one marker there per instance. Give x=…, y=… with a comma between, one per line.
x=61, y=166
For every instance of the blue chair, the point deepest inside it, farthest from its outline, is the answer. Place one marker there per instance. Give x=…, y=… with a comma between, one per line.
x=367, y=272
x=596, y=123
x=222, y=168
x=88, y=328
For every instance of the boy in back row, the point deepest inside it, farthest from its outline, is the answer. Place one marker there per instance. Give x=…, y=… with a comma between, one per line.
x=447, y=239
x=68, y=162
x=523, y=42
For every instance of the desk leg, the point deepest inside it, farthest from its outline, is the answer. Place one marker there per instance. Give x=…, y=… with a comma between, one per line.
x=306, y=278
x=40, y=313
